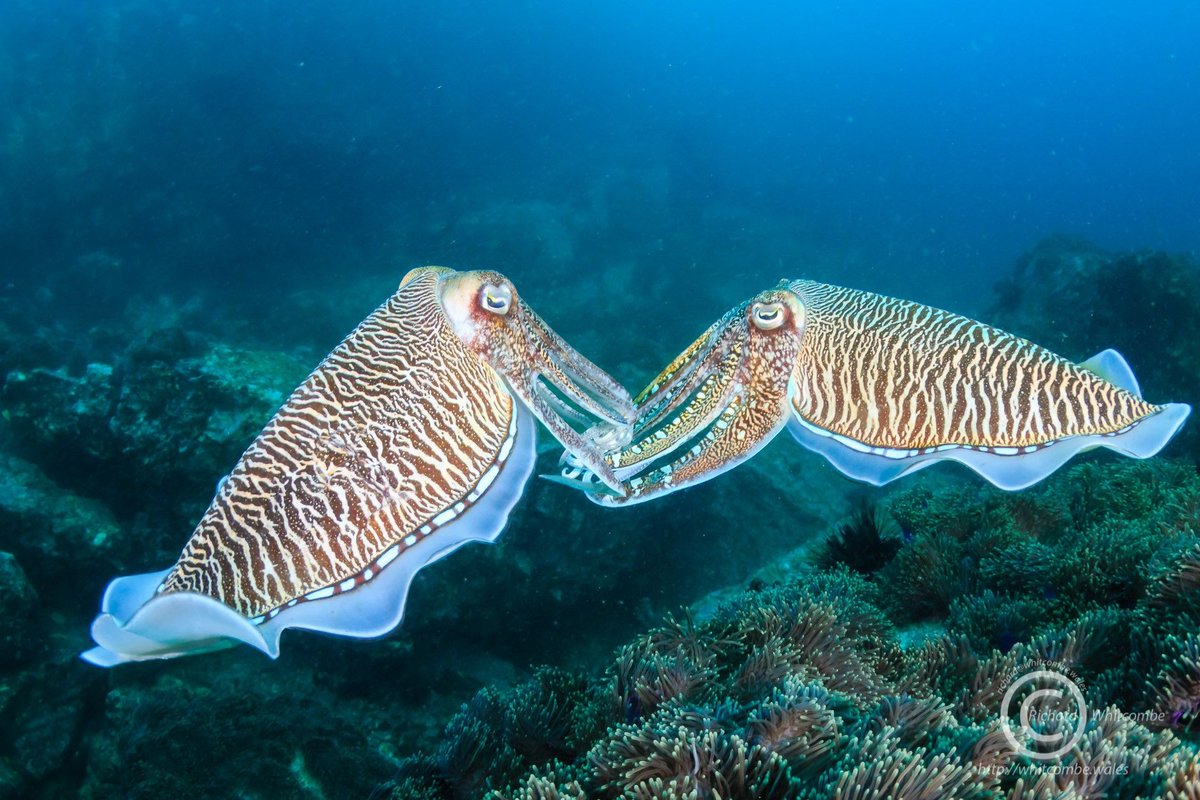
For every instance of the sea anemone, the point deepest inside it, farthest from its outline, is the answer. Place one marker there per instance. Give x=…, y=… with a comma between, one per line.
x=554, y=715
x=1176, y=688
x=643, y=682
x=1178, y=584
x=822, y=629
x=1113, y=753
x=999, y=621
x=1182, y=779
x=798, y=724
x=700, y=644
x=646, y=764
x=882, y=769
x=548, y=786
x=912, y=720
x=927, y=574
x=808, y=640
x=475, y=755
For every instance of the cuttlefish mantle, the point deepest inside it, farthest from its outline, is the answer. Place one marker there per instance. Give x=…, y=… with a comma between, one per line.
x=881, y=388
x=413, y=437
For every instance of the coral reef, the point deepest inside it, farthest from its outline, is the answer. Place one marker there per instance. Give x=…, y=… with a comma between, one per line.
x=18, y=603
x=870, y=661
x=1068, y=544
x=56, y=533
x=169, y=409
x=333, y=745
x=803, y=688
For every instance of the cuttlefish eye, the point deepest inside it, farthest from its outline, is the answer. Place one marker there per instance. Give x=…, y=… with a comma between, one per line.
x=767, y=316
x=496, y=299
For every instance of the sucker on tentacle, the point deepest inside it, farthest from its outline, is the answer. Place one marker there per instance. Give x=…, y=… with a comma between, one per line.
x=882, y=387
x=413, y=437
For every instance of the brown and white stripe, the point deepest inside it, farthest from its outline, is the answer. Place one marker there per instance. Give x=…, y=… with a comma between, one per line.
x=900, y=375
x=396, y=433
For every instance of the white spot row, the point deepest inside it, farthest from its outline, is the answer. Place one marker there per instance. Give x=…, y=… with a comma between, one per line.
x=389, y=555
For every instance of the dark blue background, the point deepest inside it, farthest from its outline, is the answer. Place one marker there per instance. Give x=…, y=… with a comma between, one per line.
x=913, y=147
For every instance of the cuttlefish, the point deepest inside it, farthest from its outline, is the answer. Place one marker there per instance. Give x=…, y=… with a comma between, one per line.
x=413, y=437
x=881, y=388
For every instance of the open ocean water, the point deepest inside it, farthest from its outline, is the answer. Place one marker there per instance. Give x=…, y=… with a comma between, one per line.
x=198, y=201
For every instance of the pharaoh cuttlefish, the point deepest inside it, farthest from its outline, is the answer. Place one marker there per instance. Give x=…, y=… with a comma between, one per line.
x=881, y=388
x=414, y=436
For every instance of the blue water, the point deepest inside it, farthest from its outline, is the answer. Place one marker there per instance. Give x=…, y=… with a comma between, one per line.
x=251, y=143
x=199, y=199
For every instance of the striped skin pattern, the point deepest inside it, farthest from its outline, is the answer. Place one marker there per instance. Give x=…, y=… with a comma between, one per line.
x=719, y=402
x=881, y=388
x=414, y=437
x=397, y=427
x=533, y=358
x=894, y=374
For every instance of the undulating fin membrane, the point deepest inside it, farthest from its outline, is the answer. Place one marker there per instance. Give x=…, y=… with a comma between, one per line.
x=1007, y=468
x=1112, y=367
x=363, y=477
x=138, y=624
x=884, y=387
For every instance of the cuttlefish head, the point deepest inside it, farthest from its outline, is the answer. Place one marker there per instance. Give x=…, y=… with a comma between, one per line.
x=576, y=400
x=718, y=403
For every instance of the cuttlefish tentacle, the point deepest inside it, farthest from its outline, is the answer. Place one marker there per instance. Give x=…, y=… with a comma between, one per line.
x=883, y=387
x=698, y=388
x=698, y=377
x=733, y=400
x=535, y=362
x=413, y=437
x=681, y=377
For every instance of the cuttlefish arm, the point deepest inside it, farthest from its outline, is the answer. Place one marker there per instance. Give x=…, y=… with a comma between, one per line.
x=714, y=407
x=884, y=387
x=413, y=437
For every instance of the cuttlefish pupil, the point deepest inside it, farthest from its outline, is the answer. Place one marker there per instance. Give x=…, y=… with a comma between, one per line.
x=767, y=316
x=495, y=299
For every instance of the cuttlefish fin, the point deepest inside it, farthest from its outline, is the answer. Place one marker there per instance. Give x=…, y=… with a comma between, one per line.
x=375, y=608
x=130, y=628
x=1112, y=367
x=1008, y=468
